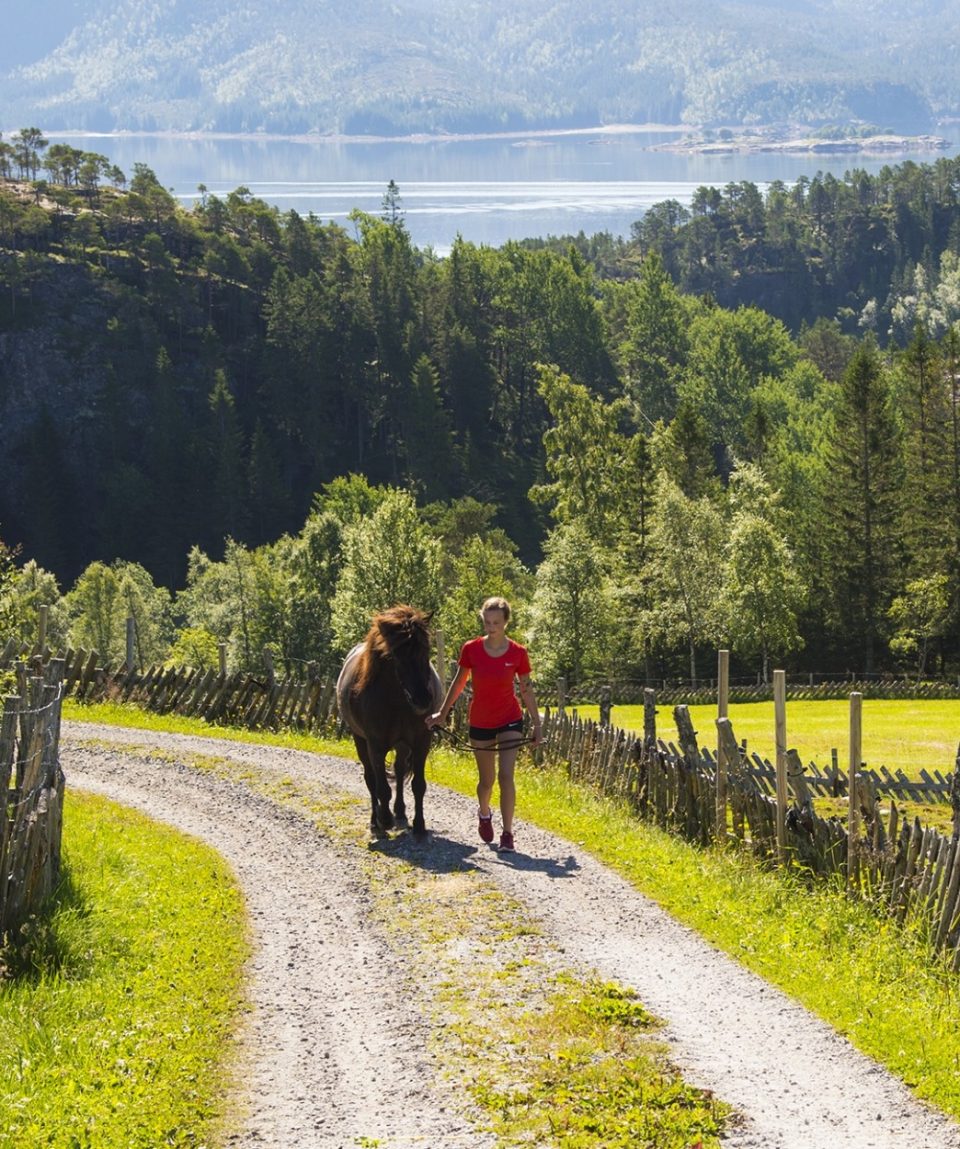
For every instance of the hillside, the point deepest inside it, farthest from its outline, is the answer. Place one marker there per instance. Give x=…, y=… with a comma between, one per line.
x=426, y=65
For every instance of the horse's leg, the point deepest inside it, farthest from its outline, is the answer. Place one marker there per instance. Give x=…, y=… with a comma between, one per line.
x=400, y=766
x=369, y=776
x=418, y=759
x=380, y=788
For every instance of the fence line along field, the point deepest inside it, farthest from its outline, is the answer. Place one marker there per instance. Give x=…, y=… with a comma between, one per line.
x=907, y=734
x=714, y=792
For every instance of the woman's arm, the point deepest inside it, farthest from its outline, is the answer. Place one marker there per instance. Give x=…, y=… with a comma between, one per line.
x=453, y=693
x=528, y=694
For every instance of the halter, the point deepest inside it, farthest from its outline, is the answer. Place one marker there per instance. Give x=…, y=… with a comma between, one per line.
x=406, y=693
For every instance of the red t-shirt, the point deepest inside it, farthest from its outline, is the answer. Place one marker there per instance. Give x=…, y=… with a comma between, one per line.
x=494, y=701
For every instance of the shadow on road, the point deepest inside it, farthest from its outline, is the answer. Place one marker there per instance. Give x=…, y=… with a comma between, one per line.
x=442, y=855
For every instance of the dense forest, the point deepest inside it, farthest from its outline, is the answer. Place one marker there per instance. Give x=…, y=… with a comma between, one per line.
x=286, y=66
x=740, y=426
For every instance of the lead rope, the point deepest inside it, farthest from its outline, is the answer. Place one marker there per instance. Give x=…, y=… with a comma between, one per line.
x=459, y=743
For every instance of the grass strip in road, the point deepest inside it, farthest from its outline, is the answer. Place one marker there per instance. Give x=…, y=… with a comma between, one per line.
x=575, y=1065
x=118, y=1004
x=548, y=1056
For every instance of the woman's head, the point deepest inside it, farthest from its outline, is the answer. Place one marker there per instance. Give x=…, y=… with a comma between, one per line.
x=493, y=604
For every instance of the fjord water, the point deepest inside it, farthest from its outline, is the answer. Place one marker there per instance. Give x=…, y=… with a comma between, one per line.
x=487, y=190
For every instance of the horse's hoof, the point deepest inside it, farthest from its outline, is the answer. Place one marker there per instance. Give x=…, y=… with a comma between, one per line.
x=385, y=821
x=419, y=829
x=400, y=821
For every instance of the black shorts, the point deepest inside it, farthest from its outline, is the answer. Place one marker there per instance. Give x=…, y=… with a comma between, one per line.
x=488, y=733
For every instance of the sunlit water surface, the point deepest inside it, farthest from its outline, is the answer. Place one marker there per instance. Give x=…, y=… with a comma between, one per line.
x=488, y=191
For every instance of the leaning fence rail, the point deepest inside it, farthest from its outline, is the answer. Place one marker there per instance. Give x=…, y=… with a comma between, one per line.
x=32, y=784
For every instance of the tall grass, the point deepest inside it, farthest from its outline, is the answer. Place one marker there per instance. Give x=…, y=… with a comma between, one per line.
x=117, y=1007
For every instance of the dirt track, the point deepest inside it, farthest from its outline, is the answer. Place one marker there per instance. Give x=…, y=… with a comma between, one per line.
x=334, y=1055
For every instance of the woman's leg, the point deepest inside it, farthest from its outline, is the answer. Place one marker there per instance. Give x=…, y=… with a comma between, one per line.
x=509, y=747
x=486, y=756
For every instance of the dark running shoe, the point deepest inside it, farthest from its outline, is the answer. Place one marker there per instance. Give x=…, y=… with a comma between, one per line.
x=506, y=842
x=485, y=827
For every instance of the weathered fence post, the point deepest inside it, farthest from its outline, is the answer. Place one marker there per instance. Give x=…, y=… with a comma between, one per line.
x=734, y=758
x=801, y=793
x=43, y=613
x=605, y=705
x=268, y=663
x=780, y=725
x=955, y=796
x=561, y=695
x=131, y=635
x=441, y=662
x=649, y=720
x=723, y=699
x=853, y=813
x=222, y=651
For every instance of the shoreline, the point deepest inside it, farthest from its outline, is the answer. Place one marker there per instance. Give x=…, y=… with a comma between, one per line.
x=342, y=138
x=691, y=141
x=809, y=146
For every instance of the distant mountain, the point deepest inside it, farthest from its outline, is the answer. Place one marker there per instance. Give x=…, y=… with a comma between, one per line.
x=365, y=67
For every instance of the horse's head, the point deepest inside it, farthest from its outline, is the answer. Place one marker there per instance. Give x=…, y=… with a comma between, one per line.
x=402, y=635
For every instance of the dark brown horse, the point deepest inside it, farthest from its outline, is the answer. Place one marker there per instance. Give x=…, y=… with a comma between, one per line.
x=386, y=688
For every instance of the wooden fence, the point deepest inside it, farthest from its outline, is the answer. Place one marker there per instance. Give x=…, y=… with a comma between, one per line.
x=911, y=871
x=32, y=784
x=257, y=701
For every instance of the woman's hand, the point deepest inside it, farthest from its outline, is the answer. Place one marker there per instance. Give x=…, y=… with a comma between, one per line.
x=437, y=719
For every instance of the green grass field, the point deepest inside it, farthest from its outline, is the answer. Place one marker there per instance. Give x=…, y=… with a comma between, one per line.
x=906, y=735
x=117, y=1006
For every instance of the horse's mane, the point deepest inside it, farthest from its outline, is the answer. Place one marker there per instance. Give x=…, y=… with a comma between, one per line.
x=399, y=622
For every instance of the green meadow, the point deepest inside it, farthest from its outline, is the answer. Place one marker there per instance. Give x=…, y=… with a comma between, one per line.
x=908, y=735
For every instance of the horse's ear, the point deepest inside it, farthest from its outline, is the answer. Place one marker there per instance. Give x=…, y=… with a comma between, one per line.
x=428, y=618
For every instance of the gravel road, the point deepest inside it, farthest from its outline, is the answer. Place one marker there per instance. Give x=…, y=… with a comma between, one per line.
x=334, y=1055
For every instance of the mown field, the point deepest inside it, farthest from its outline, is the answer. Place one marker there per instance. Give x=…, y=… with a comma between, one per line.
x=908, y=735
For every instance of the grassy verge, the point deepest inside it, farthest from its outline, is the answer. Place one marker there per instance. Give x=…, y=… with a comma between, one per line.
x=856, y=970
x=117, y=1008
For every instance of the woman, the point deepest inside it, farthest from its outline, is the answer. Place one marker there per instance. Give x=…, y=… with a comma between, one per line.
x=496, y=719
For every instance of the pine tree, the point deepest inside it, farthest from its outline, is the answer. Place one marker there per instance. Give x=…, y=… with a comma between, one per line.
x=861, y=502
x=926, y=405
